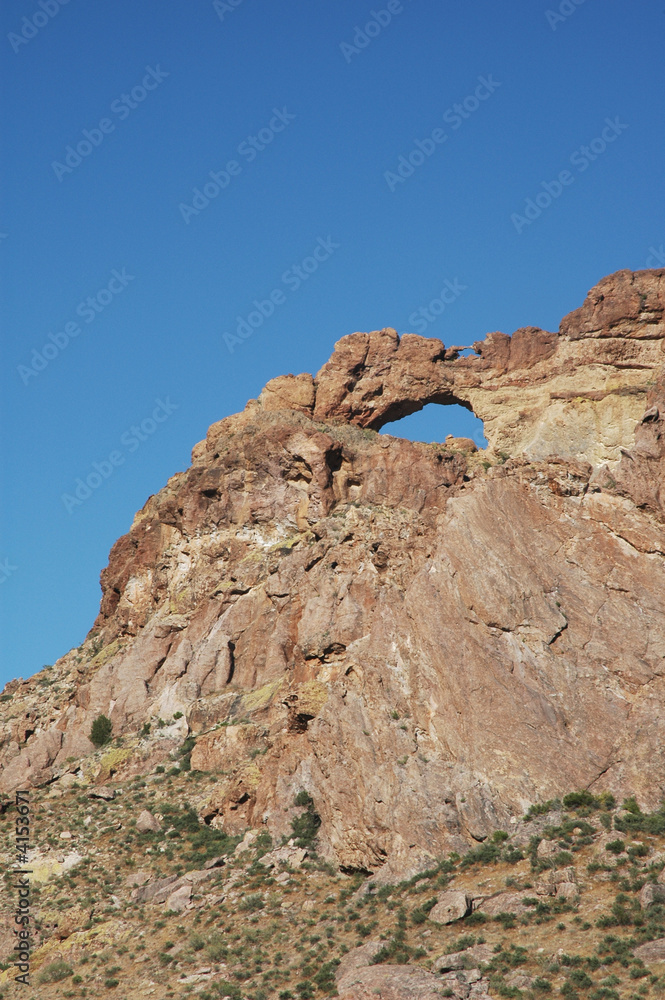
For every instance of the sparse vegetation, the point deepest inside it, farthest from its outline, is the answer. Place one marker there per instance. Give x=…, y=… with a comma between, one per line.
x=281, y=931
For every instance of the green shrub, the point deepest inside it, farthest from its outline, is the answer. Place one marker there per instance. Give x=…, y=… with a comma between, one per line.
x=581, y=979
x=303, y=798
x=637, y=821
x=541, y=809
x=216, y=949
x=251, y=903
x=55, y=972
x=485, y=854
x=305, y=827
x=185, y=753
x=325, y=977
x=102, y=730
x=226, y=989
x=577, y=800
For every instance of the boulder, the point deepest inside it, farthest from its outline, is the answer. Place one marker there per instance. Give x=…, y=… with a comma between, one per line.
x=548, y=849
x=137, y=879
x=102, y=792
x=147, y=823
x=505, y=902
x=247, y=842
x=291, y=856
x=217, y=862
x=157, y=891
x=650, y=894
x=452, y=905
x=547, y=886
x=652, y=951
x=470, y=958
x=466, y=984
x=179, y=898
x=390, y=982
x=358, y=958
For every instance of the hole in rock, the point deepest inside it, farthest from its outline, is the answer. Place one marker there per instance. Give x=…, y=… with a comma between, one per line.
x=435, y=421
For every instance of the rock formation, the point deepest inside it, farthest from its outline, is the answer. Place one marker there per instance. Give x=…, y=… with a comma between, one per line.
x=425, y=639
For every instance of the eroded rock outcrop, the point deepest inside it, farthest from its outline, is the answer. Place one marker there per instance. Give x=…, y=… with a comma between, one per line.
x=425, y=638
x=576, y=394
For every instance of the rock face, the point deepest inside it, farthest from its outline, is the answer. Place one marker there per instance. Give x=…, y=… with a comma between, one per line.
x=424, y=638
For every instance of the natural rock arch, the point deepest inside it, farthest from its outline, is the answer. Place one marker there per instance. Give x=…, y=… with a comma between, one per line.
x=577, y=393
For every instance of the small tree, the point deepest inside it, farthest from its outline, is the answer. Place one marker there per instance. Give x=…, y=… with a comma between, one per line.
x=101, y=731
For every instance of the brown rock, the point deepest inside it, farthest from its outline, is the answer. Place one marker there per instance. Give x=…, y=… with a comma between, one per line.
x=358, y=958
x=390, y=982
x=652, y=951
x=506, y=902
x=147, y=823
x=470, y=958
x=548, y=849
x=102, y=792
x=650, y=894
x=289, y=392
x=179, y=899
x=137, y=879
x=157, y=891
x=548, y=884
x=567, y=890
x=217, y=862
x=451, y=906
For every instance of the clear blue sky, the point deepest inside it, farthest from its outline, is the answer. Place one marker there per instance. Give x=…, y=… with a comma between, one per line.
x=179, y=89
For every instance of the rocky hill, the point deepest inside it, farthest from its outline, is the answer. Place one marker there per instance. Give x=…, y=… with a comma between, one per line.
x=426, y=639
x=132, y=896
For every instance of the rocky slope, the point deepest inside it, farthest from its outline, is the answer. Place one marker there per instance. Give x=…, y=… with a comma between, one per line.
x=132, y=897
x=425, y=638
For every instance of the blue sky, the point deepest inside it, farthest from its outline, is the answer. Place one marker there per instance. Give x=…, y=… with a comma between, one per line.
x=123, y=289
